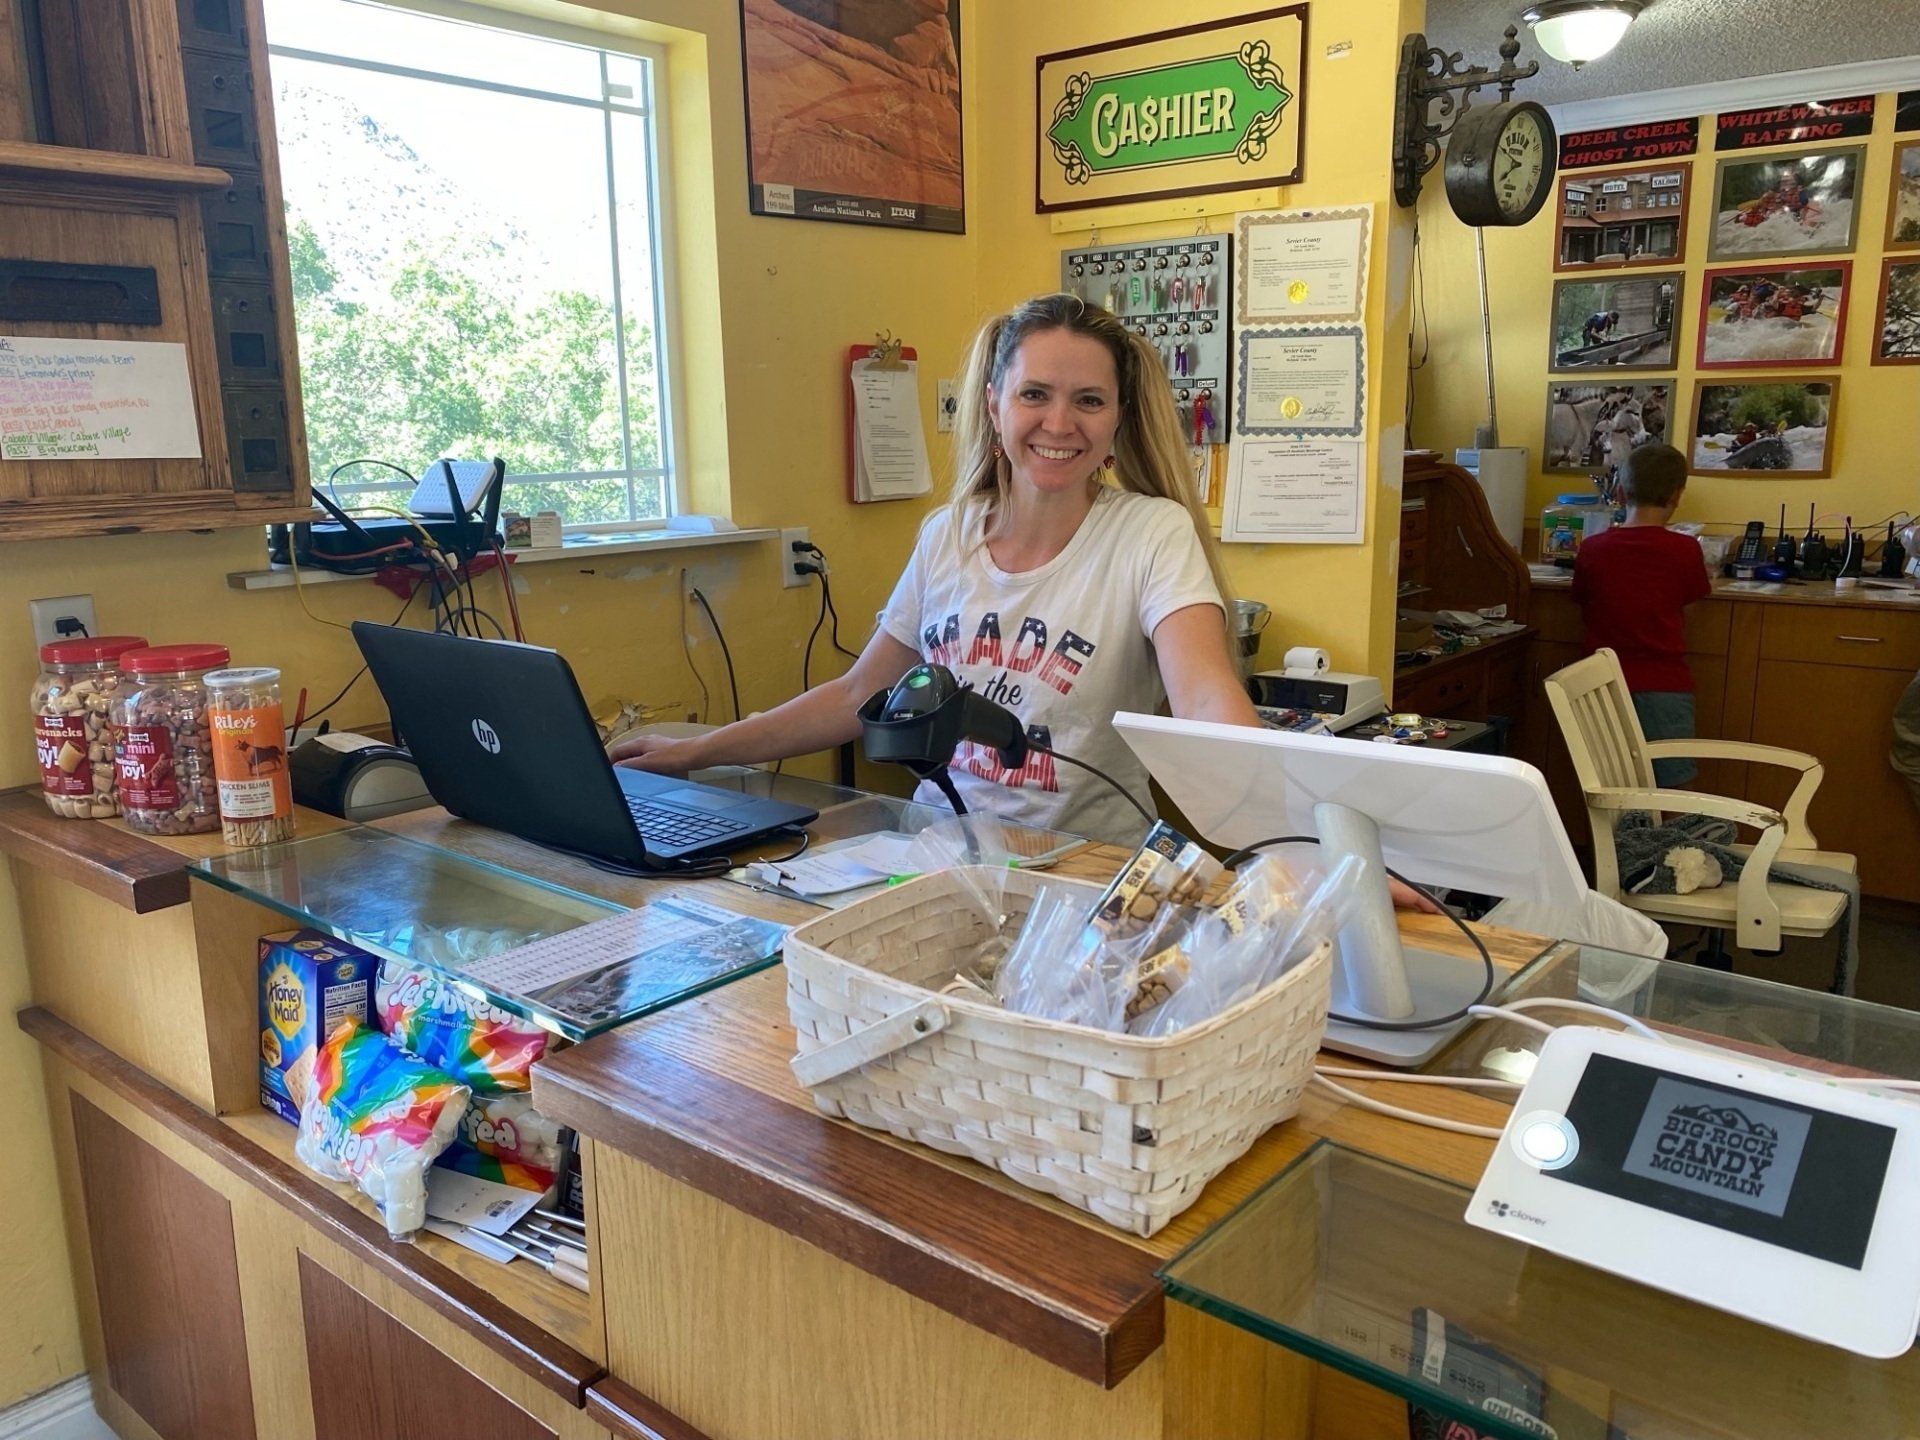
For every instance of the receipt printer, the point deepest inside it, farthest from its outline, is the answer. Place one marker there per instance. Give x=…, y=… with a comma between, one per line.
x=355, y=777
x=1341, y=700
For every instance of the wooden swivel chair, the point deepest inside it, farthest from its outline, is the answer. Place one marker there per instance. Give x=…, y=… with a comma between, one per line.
x=1614, y=762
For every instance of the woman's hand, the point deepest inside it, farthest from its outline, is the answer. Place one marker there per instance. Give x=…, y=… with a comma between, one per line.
x=660, y=754
x=1405, y=897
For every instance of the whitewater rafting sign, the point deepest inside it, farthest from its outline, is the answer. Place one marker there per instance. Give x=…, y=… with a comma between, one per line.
x=1181, y=112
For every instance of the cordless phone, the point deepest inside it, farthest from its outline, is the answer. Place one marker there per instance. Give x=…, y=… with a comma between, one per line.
x=1753, y=544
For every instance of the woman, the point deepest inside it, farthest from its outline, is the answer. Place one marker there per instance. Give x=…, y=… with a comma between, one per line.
x=1072, y=575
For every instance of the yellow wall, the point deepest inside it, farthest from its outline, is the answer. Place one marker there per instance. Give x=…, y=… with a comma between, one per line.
x=769, y=306
x=1335, y=596
x=1876, y=428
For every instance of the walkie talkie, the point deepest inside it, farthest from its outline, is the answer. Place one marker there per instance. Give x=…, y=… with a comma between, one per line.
x=1813, y=550
x=1785, y=551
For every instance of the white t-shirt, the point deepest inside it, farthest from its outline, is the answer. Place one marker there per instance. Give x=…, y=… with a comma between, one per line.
x=1063, y=647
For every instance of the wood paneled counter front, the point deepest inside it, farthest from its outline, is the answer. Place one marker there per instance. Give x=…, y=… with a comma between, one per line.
x=1804, y=667
x=759, y=1270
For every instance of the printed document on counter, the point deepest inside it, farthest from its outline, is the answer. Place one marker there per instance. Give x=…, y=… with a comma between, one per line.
x=1302, y=492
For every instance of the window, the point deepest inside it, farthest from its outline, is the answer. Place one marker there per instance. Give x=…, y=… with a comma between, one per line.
x=475, y=226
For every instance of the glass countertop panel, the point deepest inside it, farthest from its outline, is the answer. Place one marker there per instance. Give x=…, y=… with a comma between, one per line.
x=1715, y=1006
x=404, y=900
x=1370, y=1268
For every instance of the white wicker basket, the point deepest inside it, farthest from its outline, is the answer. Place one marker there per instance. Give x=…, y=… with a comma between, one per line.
x=1127, y=1128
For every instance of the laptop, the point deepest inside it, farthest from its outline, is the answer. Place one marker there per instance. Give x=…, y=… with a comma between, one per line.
x=503, y=738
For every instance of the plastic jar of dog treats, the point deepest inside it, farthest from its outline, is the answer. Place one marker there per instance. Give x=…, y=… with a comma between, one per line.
x=161, y=749
x=250, y=756
x=73, y=727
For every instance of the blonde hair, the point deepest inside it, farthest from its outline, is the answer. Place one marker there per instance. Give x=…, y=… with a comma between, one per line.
x=1149, y=450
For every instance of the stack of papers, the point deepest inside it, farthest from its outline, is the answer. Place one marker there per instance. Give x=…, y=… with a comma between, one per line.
x=890, y=443
x=872, y=860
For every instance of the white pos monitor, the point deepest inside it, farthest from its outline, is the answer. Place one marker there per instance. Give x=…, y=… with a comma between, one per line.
x=1439, y=817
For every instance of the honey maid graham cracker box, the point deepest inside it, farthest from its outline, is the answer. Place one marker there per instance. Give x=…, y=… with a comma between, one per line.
x=309, y=983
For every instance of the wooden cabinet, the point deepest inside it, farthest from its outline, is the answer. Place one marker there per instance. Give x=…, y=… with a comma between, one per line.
x=367, y=1374
x=1452, y=557
x=226, y=1294
x=140, y=203
x=1820, y=678
x=166, y=1283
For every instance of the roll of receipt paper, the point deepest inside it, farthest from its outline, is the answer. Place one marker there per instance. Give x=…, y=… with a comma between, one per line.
x=1304, y=660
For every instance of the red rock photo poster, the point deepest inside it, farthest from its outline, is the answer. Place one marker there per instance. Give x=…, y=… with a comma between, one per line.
x=853, y=111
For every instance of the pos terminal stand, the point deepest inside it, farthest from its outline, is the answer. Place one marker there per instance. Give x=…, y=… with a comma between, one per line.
x=1441, y=817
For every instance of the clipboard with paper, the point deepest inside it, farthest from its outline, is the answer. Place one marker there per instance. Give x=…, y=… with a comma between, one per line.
x=886, y=438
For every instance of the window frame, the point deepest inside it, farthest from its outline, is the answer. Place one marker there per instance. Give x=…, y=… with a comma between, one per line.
x=651, y=109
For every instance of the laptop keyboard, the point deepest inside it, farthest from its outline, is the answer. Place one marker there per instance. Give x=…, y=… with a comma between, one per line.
x=666, y=827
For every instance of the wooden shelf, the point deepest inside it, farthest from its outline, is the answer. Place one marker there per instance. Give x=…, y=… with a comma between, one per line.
x=76, y=518
x=110, y=167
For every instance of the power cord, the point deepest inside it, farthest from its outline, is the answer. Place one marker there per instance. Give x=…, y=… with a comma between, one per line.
x=315, y=715
x=818, y=566
x=686, y=650
x=726, y=654
x=1126, y=794
x=1486, y=988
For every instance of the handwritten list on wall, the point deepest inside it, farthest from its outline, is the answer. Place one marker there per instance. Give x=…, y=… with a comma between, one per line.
x=95, y=400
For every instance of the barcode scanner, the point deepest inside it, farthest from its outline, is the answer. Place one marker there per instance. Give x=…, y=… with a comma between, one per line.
x=921, y=721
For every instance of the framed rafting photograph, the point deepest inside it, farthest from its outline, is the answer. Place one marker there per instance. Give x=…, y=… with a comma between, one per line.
x=853, y=112
x=1220, y=105
x=1773, y=315
x=1803, y=204
x=1621, y=322
x=1903, y=198
x=1605, y=219
x=1594, y=424
x=1768, y=429
x=1896, y=326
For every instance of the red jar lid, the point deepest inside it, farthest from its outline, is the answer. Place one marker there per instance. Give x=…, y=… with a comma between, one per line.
x=90, y=650
x=166, y=659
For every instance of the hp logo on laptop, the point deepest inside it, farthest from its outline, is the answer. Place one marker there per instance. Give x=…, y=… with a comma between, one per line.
x=484, y=733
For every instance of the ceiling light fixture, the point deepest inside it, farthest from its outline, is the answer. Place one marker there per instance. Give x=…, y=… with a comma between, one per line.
x=1576, y=31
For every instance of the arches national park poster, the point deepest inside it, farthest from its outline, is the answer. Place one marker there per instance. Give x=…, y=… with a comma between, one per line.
x=853, y=111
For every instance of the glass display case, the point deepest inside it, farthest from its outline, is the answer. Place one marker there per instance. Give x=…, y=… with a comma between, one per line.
x=402, y=899
x=1370, y=1268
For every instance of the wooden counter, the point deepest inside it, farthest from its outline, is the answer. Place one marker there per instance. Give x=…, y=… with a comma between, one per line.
x=1799, y=666
x=759, y=1269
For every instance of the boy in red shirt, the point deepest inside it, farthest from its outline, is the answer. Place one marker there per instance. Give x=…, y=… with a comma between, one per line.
x=1632, y=584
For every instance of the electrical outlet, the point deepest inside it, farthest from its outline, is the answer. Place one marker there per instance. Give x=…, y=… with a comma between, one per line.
x=948, y=407
x=48, y=613
x=789, y=576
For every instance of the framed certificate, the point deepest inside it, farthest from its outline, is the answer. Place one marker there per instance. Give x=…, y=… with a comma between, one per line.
x=1303, y=265
x=1309, y=381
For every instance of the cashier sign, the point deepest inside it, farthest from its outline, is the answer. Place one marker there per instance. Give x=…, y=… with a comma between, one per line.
x=1180, y=112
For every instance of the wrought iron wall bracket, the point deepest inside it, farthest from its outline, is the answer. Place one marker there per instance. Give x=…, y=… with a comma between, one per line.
x=1425, y=108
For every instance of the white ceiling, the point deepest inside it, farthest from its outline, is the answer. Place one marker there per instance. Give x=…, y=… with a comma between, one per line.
x=1688, y=42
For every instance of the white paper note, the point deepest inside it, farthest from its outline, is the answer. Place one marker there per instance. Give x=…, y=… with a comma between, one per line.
x=95, y=400
x=488, y=1206
x=891, y=459
x=1295, y=491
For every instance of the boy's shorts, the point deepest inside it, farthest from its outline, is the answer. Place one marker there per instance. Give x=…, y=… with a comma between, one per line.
x=1667, y=715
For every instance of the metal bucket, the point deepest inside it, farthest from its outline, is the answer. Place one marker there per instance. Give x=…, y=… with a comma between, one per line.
x=1250, y=617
